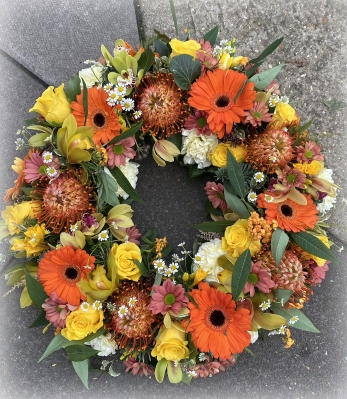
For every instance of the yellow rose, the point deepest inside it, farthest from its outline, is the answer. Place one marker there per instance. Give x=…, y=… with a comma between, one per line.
x=14, y=215
x=86, y=319
x=219, y=155
x=312, y=168
x=53, y=105
x=171, y=344
x=123, y=254
x=285, y=115
x=237, y=239
x=188, y=47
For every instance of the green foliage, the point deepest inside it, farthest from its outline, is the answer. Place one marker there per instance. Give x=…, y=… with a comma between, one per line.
x=242, y=268
x=211, y=35
x=264, y=78
x=73, y=88
x=185, y=70
x=161, y=48
x=146, y=60
x=174, y=17
x=282, y=296
x=216, y=227
x=235, y=175
x=128, y=133
x=40, y=321
x=107, y=189
x=279, y=241
x=236, y=205
x=82, y=369
x=85, y=101
x=269, y=49
x=35, y=290
x=78, y=353
x=303, y=322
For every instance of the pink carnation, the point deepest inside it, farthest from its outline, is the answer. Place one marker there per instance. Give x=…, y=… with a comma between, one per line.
x=119, y=153
x=57, y=310
x=260, y=278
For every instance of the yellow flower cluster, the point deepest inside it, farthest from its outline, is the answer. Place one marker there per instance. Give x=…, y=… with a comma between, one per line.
x=259, y=228
x=34, y=241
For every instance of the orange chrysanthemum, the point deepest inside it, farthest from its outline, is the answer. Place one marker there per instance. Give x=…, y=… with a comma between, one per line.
x=215, y=323
x=215, y=93
x=101, y=116
x=289, y=215
x=61, y=269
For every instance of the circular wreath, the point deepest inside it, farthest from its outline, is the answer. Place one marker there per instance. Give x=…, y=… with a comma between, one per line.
x=99, y=283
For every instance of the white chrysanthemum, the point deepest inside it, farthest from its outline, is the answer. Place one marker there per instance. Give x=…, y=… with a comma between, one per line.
x=130, y=171
x=327, y=202
x=104, y=345
x=195, y=148
x=91, y=75
x=207, y=258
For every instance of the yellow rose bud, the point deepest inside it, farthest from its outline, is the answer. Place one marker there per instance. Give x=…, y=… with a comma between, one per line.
x=237, y=239
x=219, y=155
x=14, y=215
x=123, y=254
x=285, y=115
x=86, y=319
x=188, y=47
x=53, y=105
x=171, y=344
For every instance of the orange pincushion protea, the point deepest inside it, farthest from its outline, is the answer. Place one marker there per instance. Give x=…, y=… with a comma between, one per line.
x=216, y=325
x=215, y=93
x=289, y=215
x=61, y=269
x=101, y=116
x=64, y=201
x=160, y=101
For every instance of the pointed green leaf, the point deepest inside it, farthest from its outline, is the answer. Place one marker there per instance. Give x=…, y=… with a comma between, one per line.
x=161, y=48
x=242, y=268
x=77, y=353
x=282, y=296
x=236, y=205
x=174, y=17
x=35, y=290
x=185, y=70
x=313, y=245
x=160, y=370
x=302, y=323
x=217, y=226
x=143, y=269
x=269, y=49
x=251, y=71
x=124, y=183
x=108, y=189
x=146, y=60
x=73, y=88
x=235, y=175
x=82, y=369
x=211, y=35
x=40, y=321
x=174, y=373
x=128, y=133
x=264, y=78
x=279, y=241
x=57, y=343
x=186, y=378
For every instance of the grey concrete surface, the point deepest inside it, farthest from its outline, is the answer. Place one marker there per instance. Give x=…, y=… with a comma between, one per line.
x=314, y=50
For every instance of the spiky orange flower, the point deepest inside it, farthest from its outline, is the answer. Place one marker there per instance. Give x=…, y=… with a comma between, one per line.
x=215, y=323
x=61, y=269
x=215, y=93
x=101, y=116
x=270, y=150
x=64, y=201
x=132, y=321
x=289, y=215
x=160, y=100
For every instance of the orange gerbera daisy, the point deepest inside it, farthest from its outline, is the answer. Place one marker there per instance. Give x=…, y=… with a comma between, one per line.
x=215, y=323
x=215, y=93
x=101, y=116
x=289, y=215
x=61, y=269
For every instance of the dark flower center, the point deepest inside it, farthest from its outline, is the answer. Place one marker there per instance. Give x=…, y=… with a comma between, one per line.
x=223, y=101
x=217, y=318
x=287, y=210
x=99, y=120
x=72, y=273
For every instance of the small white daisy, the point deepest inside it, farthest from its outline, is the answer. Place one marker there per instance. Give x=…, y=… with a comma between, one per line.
x=108, y=87
x=120, y=89
x=47, y=157
x=282, y=330
x=123, y=311
x=159, y=263
x=103, y=236
x=192, y=373
x=272, y=158
x=258, y=177
x=293, y=319
x=127, y=104
x=51, y=171
x=137, y=114
x=265, y=305
x=202, y=357
x=252, y=196
x=269, y=198
x=174, y=267
x=73, y=227
x=85, y=306
x=182, y=244
x=89, y=62
x=19, y=143
x=132, y=301
x=97, y=305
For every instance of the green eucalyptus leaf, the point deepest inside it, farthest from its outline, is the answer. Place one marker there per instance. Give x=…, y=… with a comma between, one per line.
x=302, y=323
x=185, y=70
x=269, y=49
x=282, y=296
x=264, y=78
x=313, y=245
x=235, y=175
x=279, y=241
x=82, y=369
x=77, y=353
x=108, y=189
x=236, y=205
x=242, y=268
x=161, y=48
x=211, y=35
x=35, y=290
x=57, y=343
x=128, y=133
x=174, y=17
x=217, y=226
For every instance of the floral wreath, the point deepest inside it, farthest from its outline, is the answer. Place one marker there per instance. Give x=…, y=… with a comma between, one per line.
x=252, y=266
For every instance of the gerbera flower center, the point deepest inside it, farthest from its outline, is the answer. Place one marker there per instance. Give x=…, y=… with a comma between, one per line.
x=169, y=299
x=253, y=278
x=217, y=318
x=286, y=210
x=72, y=273
x=99, y=119
x=222, y=102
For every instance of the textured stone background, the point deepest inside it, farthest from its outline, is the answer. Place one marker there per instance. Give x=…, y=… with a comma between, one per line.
x=50, y=40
